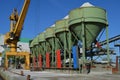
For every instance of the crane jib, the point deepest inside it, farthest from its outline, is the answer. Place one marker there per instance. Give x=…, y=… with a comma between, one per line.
x=20, y=22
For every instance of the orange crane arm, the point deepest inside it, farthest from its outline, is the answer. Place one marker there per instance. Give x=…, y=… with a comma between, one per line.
x=18, y=27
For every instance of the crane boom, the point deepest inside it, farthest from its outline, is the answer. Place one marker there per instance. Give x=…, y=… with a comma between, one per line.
x=19, y=24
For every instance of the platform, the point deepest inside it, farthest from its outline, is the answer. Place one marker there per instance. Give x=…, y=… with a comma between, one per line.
x=14, y=74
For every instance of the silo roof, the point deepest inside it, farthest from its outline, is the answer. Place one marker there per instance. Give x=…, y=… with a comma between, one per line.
x=87, y=4
x=66, y=17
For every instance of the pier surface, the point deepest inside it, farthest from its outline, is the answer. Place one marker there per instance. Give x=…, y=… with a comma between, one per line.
x=14, y=74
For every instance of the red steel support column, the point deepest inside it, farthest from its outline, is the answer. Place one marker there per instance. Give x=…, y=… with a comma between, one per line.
x=47, y=60
x=58, y=58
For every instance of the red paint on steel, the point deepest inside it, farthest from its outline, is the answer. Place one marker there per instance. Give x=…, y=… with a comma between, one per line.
x=58, y=57
x=47, y=60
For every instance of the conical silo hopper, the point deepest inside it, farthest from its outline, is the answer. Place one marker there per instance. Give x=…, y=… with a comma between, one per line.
x=49, y=36
x=42, y=47
x=50, y=43
x=86, y=23
x=61, y=32
x=62, y=35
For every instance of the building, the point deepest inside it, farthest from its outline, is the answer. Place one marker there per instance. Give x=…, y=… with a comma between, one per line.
x=23, y=45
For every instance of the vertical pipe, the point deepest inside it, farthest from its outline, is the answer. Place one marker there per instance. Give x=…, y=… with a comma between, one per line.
x=34, y=63
x=44, y=53
x=38, y=49
x=108, y=54
x=56, y=45
x=52, y=52
x=83, y=41
x=91, y=55
x=64, y=49
x=35, y=57
x=37, y=53
x=70, y=46
x=39, y=57
x=31, y=57
x=40, y=54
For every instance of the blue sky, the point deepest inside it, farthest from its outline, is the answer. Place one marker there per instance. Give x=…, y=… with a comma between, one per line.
x=44, y=13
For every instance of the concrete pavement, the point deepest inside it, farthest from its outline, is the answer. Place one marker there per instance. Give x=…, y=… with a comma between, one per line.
x=14, y=74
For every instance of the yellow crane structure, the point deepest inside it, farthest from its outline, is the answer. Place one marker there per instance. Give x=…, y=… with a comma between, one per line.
x=12, y=37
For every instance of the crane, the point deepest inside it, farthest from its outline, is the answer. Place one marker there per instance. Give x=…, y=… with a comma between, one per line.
x=13, y=36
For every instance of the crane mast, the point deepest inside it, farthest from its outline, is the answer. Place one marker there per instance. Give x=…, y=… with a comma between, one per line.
x=13, y=36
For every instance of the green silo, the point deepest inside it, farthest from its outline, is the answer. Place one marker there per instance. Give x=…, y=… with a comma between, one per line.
x=62, y=39
x=34, y=50
x=85, y=23
x=50, y=43
x=42, y=47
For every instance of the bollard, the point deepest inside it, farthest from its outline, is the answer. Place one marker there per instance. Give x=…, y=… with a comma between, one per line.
x=28, y=77
x=22, y=73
